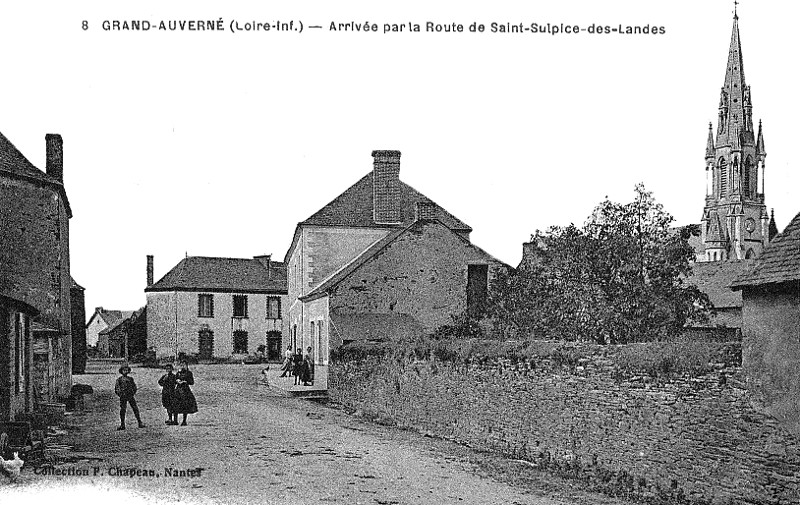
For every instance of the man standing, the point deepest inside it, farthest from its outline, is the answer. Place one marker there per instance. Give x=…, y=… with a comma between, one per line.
x=126, y=389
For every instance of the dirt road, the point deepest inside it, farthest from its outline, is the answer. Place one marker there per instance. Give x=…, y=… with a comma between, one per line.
x=248, y=445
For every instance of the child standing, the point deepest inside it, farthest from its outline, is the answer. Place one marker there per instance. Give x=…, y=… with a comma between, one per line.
x=126, y=389
x=168, y=381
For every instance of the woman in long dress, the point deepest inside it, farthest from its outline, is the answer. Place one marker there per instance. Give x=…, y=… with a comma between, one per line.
x=185, y=402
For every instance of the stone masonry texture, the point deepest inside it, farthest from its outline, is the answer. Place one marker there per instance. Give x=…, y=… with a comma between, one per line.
x=688, y=439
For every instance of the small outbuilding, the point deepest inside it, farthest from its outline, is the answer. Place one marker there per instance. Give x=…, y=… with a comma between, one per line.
x=771, y=324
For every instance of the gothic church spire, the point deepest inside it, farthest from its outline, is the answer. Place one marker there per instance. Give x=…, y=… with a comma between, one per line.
x=735, y=105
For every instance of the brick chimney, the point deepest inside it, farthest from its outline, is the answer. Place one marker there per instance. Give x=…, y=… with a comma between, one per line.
x=386, y=187
x=426, y=210
x=55, y=156
x=149, y=270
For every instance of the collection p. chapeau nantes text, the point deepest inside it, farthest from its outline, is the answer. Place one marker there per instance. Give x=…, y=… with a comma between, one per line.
x=129, y=472
x=297, y=26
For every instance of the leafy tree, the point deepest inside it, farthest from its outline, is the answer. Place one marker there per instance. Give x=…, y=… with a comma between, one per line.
x=620, y=278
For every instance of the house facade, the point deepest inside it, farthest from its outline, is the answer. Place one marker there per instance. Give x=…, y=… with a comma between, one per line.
x=16, y=350
x=770, y=292
x=217, y=308
x=380, y=256
x=102, y=319
x=34, y=261
x=127, y=338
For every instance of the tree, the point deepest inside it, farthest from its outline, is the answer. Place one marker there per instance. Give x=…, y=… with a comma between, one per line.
x=620, y=278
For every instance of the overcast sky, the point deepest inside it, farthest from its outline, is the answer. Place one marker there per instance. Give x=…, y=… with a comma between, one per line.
x=218, y=144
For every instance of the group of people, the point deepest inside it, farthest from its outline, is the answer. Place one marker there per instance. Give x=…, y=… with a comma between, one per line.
x=176, y=394
x=300, y=365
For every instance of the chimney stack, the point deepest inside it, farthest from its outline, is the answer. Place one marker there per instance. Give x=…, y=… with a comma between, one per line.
x=386, y=187
x=426, y=210
x=149, y=270
x=55, y=156
x=266, y=260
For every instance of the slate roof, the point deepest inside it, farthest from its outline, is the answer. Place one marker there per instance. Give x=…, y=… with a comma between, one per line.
x=373, y=251
x=354, y=208
x=714, y=279
x=122, y=316
x=225, y=275
x=15, y=164
x=114, y=317
x=779, y=262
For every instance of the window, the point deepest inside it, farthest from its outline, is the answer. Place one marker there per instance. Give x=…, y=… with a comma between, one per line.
x=239, y=342
x=477, y=289
x=239, y=305
x=320, y=357
x=748, y=169
x=20, y=334
x=273, y=307
x=722, y=166
x=205, y=305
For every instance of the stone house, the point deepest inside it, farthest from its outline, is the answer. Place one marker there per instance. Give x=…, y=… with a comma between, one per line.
x=101, y=320
x=771, y=324
x=16, y=394
x=34, y=259
x=214, y=308
x=379, y=257
x=126, y=338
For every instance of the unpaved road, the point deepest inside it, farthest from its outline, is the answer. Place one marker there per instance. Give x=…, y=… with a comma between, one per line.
x=253, y=446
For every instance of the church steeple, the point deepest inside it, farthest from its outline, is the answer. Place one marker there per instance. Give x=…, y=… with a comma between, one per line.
x=735, y=219
x=735, y=105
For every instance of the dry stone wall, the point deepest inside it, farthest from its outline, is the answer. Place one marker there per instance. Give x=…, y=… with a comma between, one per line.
x=683, y=440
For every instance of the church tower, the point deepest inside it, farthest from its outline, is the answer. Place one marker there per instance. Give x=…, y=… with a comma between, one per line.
x=735, y=220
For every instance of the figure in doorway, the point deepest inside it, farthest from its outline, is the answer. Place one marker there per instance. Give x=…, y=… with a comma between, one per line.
x=297, y=366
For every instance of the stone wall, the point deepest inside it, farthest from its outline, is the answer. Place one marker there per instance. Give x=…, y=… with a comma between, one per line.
x=683, y=440
x=771, y=354
x=34, y=262
x=422, y=273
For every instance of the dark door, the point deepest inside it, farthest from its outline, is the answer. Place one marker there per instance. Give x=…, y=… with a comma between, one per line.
x=477, y=289
x=206, y=344
x=274, y=341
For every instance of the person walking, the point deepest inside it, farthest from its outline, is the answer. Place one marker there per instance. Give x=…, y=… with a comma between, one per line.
x=185, y=402
x=125, y=388
x=168, y=381
x=287, y=362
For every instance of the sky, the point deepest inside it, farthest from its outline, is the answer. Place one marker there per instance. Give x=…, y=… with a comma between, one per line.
x=219, y=143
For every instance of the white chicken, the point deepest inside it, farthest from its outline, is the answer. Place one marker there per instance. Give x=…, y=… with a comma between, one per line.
x=12, y=467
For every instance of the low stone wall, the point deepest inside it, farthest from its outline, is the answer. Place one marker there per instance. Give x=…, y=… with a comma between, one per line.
x=683, y=440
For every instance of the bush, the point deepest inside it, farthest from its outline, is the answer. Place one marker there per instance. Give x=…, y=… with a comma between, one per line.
x=669, y=359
